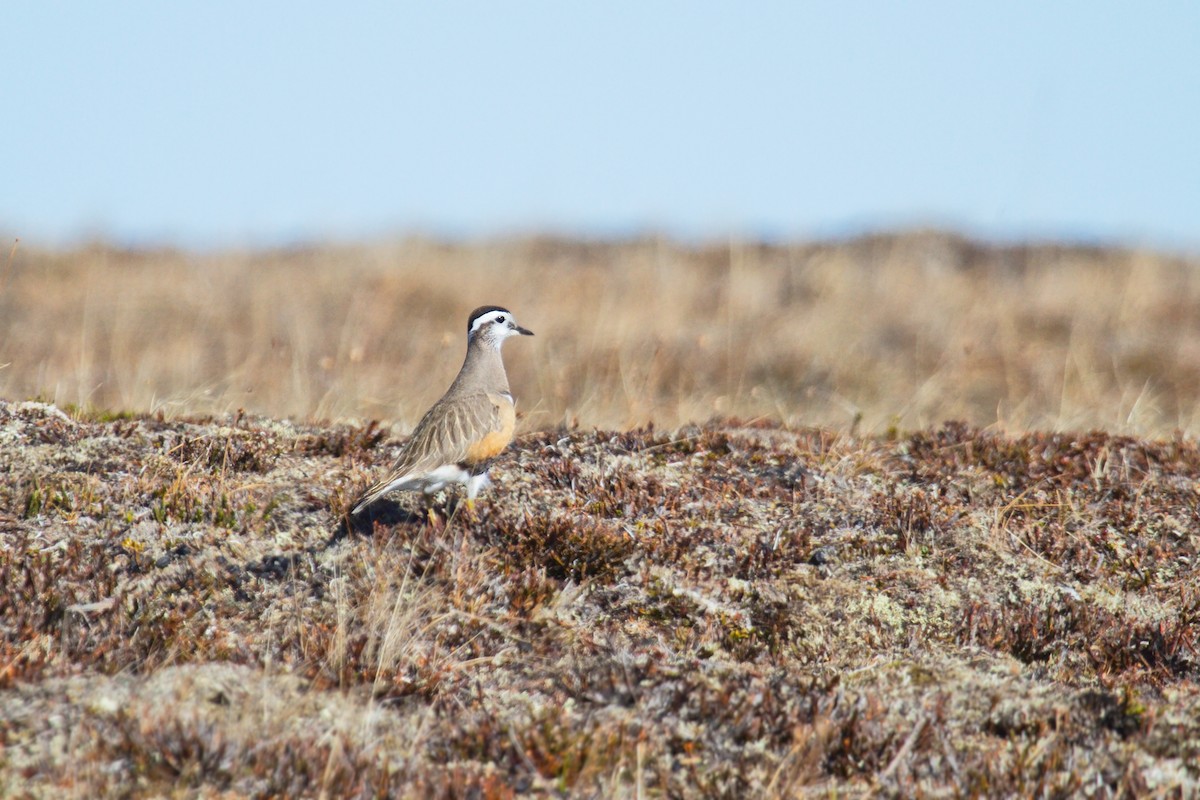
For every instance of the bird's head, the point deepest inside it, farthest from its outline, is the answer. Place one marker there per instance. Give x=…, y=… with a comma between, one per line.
x=492, y=325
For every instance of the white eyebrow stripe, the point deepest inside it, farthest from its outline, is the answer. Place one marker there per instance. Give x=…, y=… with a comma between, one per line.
x=483, y=319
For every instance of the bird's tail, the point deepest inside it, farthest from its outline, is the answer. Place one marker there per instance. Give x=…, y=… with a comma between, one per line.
x=370, y=496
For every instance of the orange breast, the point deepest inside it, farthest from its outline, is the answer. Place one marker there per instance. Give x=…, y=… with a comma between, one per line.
x=494, y=443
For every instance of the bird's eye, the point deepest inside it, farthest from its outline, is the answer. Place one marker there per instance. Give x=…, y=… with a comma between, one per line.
x=500, y=319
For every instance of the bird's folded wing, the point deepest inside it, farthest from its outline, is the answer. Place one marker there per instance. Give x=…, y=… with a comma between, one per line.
x=449, y=433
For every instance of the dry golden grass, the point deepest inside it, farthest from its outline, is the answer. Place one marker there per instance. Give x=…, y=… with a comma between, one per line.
x=894, y=331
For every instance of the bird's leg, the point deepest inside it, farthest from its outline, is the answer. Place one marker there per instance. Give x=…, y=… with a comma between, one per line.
x=464, y=505
x=474, y=484
x=432, y=518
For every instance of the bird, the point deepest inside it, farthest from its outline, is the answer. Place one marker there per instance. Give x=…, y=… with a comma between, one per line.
x=462, y=434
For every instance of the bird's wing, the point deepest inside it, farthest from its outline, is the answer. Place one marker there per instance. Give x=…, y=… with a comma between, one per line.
x=451, y=433
x=456, y=433
x=465, y=429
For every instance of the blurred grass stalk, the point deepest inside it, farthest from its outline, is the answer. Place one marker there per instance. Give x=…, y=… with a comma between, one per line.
x=882, y=332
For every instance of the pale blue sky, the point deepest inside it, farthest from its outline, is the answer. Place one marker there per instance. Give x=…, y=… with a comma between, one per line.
x=224, y=123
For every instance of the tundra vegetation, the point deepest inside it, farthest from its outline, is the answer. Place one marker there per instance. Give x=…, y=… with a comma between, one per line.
x=903, y=515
